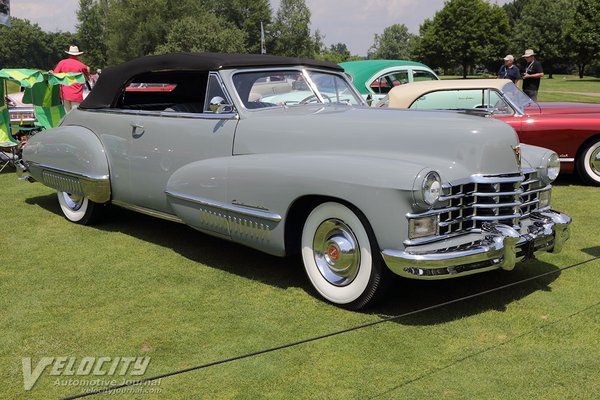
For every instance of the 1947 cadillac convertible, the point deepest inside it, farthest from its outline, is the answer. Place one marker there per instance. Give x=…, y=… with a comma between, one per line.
x=283, y=155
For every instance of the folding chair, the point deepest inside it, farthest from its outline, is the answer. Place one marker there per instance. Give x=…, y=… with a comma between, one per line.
x=8, y=156
x=9, y=146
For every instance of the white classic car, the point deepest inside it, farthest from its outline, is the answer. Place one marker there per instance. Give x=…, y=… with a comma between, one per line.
x=283, y=155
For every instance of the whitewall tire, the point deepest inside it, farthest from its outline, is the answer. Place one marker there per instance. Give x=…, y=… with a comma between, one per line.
x=340, y=256
x=588, y=164
x=78, y=209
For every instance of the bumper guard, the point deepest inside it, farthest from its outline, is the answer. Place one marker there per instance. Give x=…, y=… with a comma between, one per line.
x=498, y=246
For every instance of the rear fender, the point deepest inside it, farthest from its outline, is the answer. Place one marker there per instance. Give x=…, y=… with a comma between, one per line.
x=69, y=159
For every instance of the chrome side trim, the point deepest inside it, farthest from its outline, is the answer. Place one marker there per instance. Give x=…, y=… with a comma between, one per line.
x=168, y=114
x=227, y=207
x=148, y=211
x=94, y=187
x=490, y=179
x=566, y=159
x=67, y=172
x=171, y=114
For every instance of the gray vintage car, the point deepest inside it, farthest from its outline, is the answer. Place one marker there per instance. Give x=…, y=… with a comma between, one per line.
x=282, y=155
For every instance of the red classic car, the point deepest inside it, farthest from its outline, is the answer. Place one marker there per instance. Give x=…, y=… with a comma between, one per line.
x=570, y=129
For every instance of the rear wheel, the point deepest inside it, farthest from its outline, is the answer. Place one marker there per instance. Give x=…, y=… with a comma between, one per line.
x=588, y=164
x=341, y=257
x=79, y=209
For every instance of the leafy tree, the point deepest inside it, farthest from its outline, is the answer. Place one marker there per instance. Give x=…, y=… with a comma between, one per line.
x=541, y=28
x=464, y=32
x=57, y=43
x=514, y=10
x=395, y=43
x=246, y=16
x=91, y=32
x=137, y=27
x=336, y=53
x=431, y=51
x=207, y=33
x=583, y=33
x=290, y=32
x=25, y=46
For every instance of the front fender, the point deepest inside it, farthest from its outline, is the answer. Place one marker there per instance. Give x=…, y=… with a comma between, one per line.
x=70, y=159
x=534, y=157
x=248, y=197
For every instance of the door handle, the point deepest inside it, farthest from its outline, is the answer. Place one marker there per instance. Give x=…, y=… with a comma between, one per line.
x=137, y=130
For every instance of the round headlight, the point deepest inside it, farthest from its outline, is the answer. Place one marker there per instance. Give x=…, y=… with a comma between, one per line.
x=550, y=167
x=432, y=188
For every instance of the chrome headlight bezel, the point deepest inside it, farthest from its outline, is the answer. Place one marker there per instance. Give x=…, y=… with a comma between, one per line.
x=427, y=189
x=550, y=167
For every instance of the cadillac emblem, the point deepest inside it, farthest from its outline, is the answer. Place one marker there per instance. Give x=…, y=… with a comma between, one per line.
x=517, y=150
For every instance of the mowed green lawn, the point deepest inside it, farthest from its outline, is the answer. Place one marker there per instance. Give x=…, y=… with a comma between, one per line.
x=137, y=286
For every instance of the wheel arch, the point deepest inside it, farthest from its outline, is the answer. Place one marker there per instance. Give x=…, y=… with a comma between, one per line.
x=299, y=211
x=585, y=144
x=70, y=159
x=581, y=151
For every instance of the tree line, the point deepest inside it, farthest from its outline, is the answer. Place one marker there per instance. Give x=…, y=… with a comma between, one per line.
x=462, y=36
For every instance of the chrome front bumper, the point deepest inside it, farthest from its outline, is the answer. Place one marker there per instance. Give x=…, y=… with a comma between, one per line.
x=497, y=246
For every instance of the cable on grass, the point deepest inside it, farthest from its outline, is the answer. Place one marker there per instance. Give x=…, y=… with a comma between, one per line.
x=327, y=335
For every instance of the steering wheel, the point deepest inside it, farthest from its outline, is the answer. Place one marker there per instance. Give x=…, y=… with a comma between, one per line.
x=312, y=97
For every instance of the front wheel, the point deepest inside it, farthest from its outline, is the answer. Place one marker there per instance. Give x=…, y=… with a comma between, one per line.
x=341, y=257
x=79, y=209
x=588, y=164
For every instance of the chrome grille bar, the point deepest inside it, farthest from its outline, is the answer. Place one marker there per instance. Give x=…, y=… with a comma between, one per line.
x=503, y=199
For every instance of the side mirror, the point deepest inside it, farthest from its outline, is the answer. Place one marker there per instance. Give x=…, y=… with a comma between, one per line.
x=218, y=105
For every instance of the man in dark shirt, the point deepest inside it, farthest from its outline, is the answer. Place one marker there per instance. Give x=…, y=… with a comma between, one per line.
x=509, y=70
x=532, y=76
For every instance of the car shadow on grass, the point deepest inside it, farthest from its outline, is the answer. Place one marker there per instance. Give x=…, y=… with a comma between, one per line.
x=592, y=251
x=404, y=295
x=568, y=180
x=196, y=246
x=493, y=290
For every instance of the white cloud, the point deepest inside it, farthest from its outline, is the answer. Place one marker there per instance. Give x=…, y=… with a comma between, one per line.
x=50, y=15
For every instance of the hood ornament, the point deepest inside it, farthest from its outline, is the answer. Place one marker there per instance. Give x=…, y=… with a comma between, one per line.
x=517, y=151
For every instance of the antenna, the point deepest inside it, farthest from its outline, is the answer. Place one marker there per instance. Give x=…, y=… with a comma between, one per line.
x=263, y=49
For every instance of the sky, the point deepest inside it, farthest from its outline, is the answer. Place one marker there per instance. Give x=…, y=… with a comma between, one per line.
x=353, y=22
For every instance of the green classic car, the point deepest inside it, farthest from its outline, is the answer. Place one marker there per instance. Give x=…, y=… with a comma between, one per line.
x=375, y=78
x=357, y=192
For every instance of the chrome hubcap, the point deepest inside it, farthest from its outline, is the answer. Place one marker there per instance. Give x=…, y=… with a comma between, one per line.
x=336, y=252
x=595, y=160
x=74, y=202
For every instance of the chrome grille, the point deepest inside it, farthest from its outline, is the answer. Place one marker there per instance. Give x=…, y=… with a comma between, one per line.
x=532, y=186
x=495, y=199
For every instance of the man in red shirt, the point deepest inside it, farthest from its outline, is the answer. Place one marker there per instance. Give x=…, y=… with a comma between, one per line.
x=72, y=95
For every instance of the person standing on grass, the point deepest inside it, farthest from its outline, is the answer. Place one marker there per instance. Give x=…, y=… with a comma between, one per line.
x=72, y=95
x=509, y=70
x=532, y=76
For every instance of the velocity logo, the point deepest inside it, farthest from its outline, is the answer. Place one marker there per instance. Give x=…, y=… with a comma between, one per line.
x=86, y=366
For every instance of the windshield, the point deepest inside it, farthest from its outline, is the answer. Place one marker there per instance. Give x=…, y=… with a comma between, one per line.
x=516, y=96
x=275, y=88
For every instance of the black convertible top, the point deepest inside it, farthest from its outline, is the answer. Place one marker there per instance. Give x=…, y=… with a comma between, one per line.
x=112, y=80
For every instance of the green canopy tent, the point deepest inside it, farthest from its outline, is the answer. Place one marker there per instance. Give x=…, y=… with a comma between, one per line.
x=42, y=90
x=6, y=139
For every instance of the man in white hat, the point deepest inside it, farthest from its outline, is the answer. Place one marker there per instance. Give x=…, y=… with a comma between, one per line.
x=509, y=70
x=533, y=74
x=72, y=95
